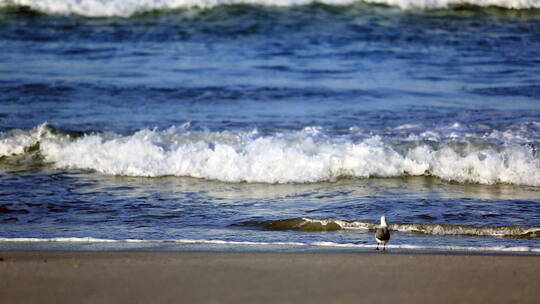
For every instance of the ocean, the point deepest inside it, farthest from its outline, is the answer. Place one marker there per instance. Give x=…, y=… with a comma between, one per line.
x=273, y=125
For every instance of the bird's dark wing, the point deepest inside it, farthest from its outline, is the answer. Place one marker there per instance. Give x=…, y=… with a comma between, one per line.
x=382, y=234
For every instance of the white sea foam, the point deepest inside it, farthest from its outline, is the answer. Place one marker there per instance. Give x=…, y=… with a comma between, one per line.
x=125, y=8
x=17, y=141
x=286, y=158
x=293, y=157
x=252, y=243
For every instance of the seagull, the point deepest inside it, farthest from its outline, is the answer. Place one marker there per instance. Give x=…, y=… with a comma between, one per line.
x=383, y=234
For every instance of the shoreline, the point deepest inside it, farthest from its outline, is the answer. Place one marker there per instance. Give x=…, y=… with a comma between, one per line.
x=266, y=277
x=189, y=245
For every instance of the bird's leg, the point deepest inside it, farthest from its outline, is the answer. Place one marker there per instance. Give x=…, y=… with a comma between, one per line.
x=377, y=247
x=384, y=247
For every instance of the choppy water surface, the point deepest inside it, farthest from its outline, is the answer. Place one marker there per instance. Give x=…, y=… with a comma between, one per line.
x=271, y=124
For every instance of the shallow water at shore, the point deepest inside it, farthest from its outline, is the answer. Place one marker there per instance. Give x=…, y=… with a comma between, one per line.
x=192, y=211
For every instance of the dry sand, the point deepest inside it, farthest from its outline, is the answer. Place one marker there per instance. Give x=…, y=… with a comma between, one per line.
x=209, y=277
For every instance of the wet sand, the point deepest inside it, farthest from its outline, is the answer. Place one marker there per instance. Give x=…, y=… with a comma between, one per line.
x=210, y=277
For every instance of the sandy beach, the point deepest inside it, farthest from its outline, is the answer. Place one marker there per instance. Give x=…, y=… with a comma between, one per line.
x=209, y=277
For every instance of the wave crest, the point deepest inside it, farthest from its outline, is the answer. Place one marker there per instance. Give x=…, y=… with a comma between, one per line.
x=126, y=8
x=305, y=156
x=18, y=142
x=311, y=224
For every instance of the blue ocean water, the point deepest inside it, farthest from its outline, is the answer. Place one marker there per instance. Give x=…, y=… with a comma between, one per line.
x=276, y=125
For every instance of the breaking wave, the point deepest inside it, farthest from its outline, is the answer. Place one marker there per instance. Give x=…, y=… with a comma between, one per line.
x=126, y=8
x=305, y=156
x=312, y=224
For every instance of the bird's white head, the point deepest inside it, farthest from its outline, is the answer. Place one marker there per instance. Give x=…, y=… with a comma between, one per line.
x=383, y=221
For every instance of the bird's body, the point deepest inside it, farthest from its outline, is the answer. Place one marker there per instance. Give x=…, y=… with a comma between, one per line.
x=382, y=235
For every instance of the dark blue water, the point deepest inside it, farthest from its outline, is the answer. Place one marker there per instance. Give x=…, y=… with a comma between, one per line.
x=243, y=124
